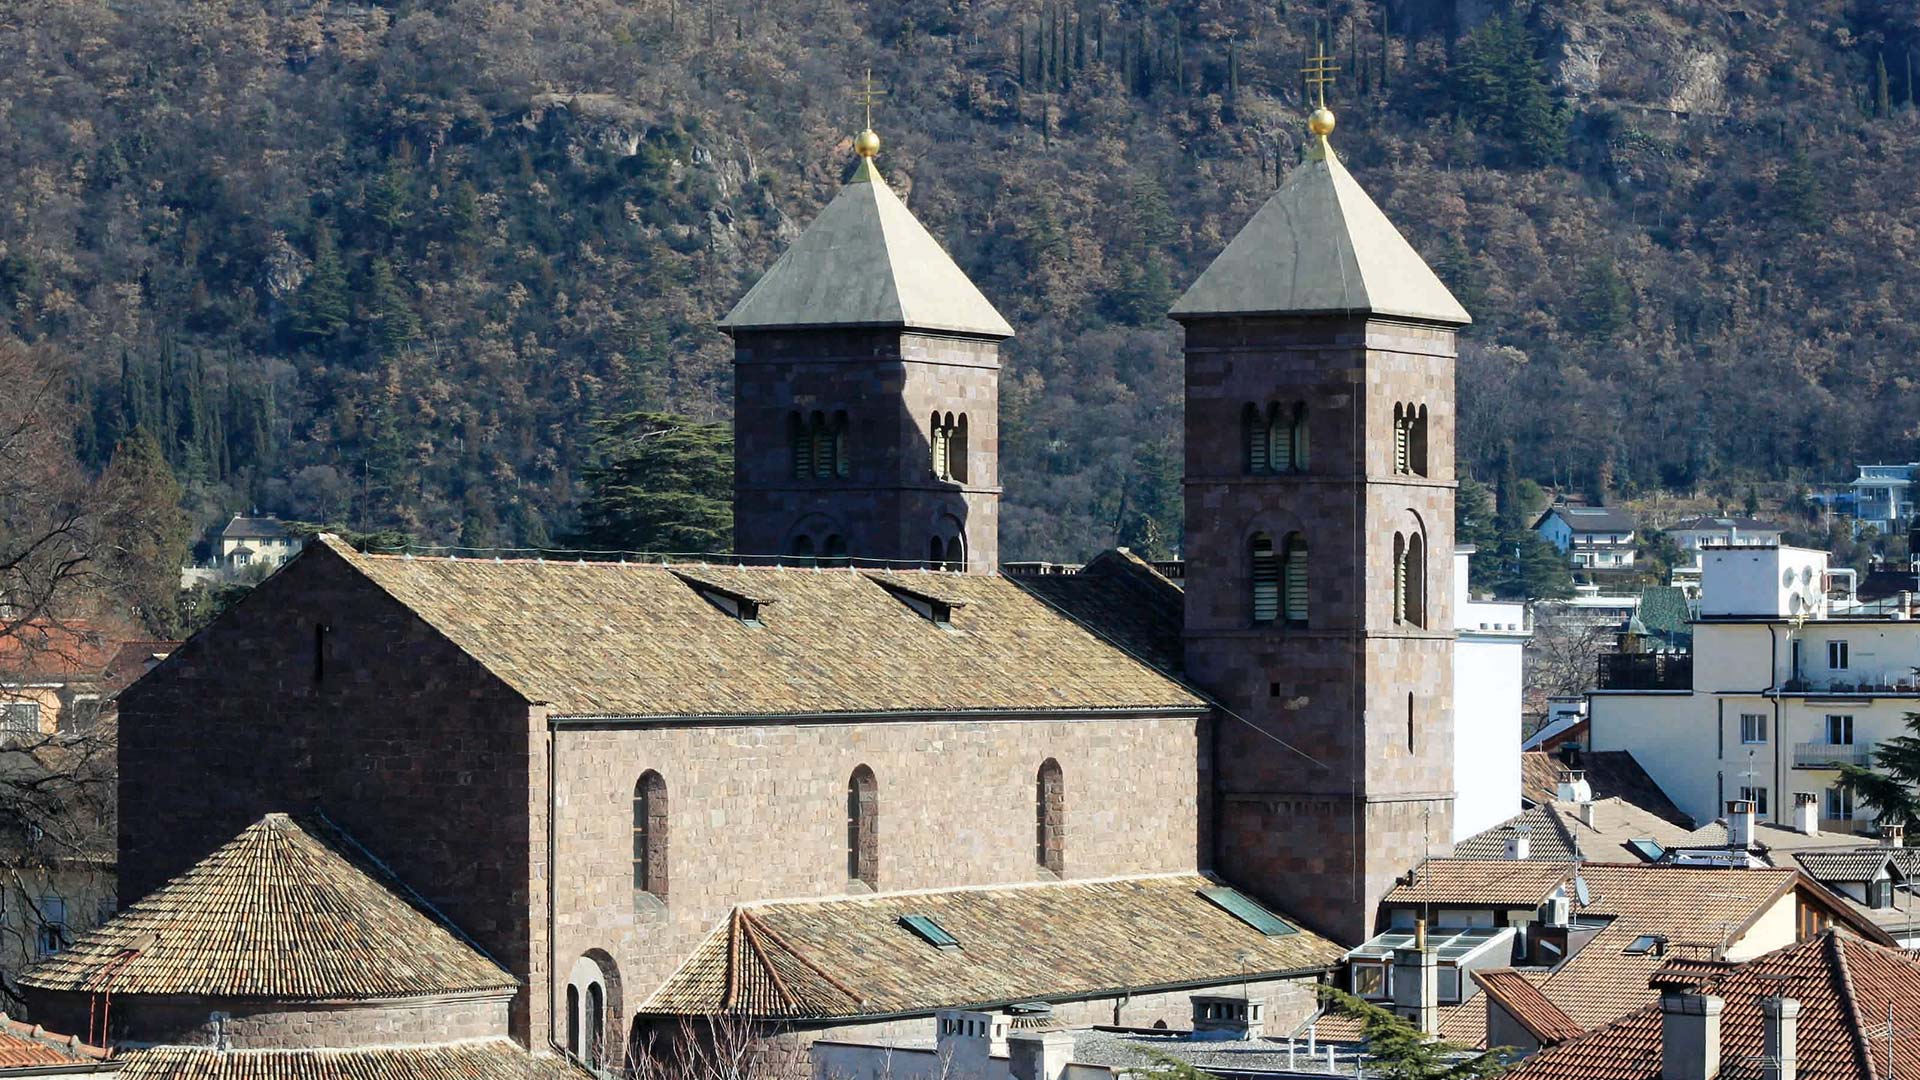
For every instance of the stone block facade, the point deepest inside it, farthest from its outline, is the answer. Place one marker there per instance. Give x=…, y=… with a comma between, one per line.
x=1337, y=775
x=320, y=692
x=886, y=386
x=759, y=811
x=249, y=1024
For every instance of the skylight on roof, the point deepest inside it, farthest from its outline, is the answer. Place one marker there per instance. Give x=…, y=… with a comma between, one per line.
x=1646, y=943
x=930, y=932
x=1236, y=904
x=1646, y=848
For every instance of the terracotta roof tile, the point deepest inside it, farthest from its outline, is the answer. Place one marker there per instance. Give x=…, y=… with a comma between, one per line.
x=616, y=639
x=1524, y=1002
x=851, y=957
x=1609, y=773
x=277, y=912
x=486, y=1059
x=1843, y=984
x=1483, y=882
x=29, y=1045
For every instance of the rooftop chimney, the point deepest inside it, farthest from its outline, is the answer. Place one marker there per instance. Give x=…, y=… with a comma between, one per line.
x=966, y=1040
x=1228, y=1016
x=1573, y=787
x=1806, y=813
x=1892, y=835
x=1690, y=1036
x=1780, y=1039
x=1416, y=982
x=1519, y=843
x=1740, y=824
x=1036, y=1055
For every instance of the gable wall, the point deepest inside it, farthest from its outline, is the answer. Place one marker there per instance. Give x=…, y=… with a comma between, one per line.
x=402, y=740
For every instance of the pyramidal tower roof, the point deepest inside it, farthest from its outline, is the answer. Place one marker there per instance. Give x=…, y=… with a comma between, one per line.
x=1320, y=247
x=286, y=910
x=866, y=261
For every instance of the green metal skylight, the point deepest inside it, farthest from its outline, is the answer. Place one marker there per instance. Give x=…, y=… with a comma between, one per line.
x=930, y=932
x=1238, y=905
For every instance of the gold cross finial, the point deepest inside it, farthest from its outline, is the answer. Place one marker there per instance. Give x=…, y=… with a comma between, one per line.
x=1320, y=71
x=867, y=143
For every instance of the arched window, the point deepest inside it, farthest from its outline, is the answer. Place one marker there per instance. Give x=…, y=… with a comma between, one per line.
x=1279, y=440
x=1254, y=432
x=573, y=1020
x=956, y=554
x=1266, y=579
x=835, y=548
x=1417, y=441
x=649, y=841
x=802, y=441
x=1414, y=577
x=802, y=547
x=863, y=823
x=937, y=442
x=596, y=1025
x=1293, y=573
x=1300, y=436
x=936, y=553
x=957, y=449
x=822, y=438
x=841, y=464
x=1050, y=819
x=1399, y=578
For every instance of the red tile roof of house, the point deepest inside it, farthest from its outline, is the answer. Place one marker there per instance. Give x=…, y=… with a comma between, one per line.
x=1524, y=1002
x=28, y=1046
x=1846, y=988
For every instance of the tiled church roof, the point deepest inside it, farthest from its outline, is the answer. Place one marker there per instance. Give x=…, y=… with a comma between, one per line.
x=483, y=1059
x=1845, y=987
x=277, y=912
x=630, y=640
x=815, y=959
x=1125, y=600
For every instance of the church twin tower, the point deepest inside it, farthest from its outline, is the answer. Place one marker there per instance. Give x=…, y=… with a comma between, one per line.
x=1319, y=497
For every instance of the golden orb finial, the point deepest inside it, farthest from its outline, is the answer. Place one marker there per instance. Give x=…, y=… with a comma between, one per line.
x=867, y=143
x=1321, y=122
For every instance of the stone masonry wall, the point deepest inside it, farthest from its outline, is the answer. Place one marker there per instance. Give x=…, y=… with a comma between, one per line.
x=1337, y=776
x=890, y=384
x=258, y=1025
x=401, y=739
x=759, y=812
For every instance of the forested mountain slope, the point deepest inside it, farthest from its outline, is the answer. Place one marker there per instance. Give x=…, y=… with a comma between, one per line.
x=384, y=264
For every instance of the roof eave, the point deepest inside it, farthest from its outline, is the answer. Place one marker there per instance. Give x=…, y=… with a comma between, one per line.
x=1424, y=318
x=984, y=333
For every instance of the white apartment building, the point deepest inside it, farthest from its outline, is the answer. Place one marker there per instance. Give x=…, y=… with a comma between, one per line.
x=1591, y=537
x=1781, y=686
x=1487, y=692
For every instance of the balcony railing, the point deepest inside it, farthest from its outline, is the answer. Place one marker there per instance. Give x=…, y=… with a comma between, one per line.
x=1820, y=755
x=1855, y=684
x=1646, y=671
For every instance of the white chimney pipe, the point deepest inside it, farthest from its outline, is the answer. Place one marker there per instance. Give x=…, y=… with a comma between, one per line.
x=1892, y=835
x=1780, y=1039
x=1806, y=813
x=1690, y=1036
x=1573, y=787
x=1740, y=824
x=1519, y=843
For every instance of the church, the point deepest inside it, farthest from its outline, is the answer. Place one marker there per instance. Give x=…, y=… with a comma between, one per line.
x=856, y=774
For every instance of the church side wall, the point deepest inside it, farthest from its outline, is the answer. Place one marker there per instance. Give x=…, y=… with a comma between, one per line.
x=759, y=812
x=375, y=720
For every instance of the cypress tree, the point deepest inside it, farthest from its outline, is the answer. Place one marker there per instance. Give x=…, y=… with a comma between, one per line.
x=324, y=309
x=394, y=322
x=1882, y=90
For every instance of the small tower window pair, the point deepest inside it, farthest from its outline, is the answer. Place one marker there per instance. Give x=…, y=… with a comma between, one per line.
x=948, y=442
x=1409, y=440
x=819, y=445
x=1279, y=580
x=1275, y=438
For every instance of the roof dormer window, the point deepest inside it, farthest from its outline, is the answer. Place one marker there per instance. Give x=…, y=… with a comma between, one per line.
x=733, y=602
x=935, y=609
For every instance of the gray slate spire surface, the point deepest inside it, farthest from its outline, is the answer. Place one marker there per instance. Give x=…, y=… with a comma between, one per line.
x=867, y=261
x=1320, y=247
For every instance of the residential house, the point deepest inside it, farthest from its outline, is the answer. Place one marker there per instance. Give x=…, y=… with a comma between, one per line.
x=1588, y=936
x=1781, y=688
x=1591, y=537
x=1883, y=497
x=1830, y=1007
x=1691, y=533
x=1879, y=882
x=246, y=542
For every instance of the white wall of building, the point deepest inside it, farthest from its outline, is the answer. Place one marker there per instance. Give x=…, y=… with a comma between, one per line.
x=1773, y=581
x=1487, y=687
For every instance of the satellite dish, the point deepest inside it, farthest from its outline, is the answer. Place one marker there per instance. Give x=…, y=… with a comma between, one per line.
x=1580, y=890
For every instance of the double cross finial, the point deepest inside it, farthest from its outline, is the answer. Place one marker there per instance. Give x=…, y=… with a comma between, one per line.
x=867, y=143
x=1320, y=71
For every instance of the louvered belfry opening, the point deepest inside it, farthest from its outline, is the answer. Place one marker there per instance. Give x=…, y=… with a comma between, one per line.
x=1266, y=579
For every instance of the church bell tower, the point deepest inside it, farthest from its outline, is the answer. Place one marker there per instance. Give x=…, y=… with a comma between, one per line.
x=1319, y=545
x=867, y=394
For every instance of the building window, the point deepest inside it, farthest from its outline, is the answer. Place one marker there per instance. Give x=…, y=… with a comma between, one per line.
x=1266, y=580
x=1837, y=655
x=1254, y=431
x=573, y=1020
x=1839, y=729
x=863, y=823
x=1050, y=813
x=1369, y=981
x=835, y=548
x=819, y=446
x=596, y=1024
x=947, y=554
x=1417, y=440
x=1753, y=728
x=1293, y=573
x=1839, y=804
x=957, y=449
x=51, y=936
x=947, y=441
x=1399, y=579
x=1410, y=722
x=1758, y=797
x=1402, y=441
x=1275, y=438
x=802, y=548
x=21, y=717
x=650, y=841
x=1413, y=577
